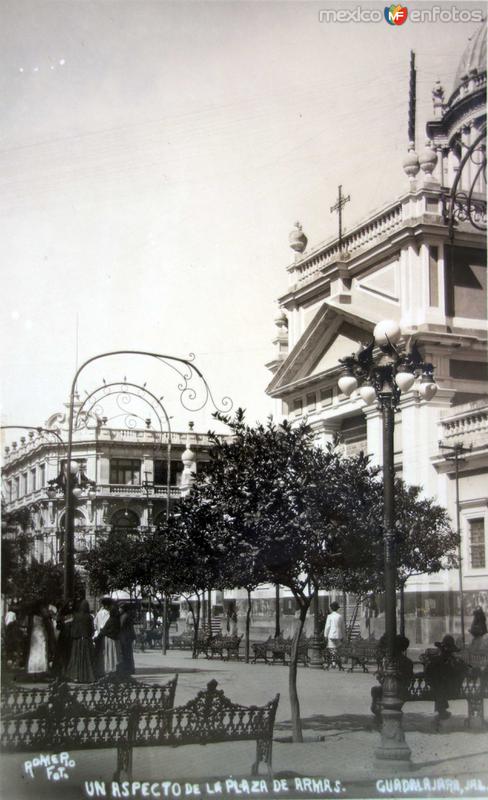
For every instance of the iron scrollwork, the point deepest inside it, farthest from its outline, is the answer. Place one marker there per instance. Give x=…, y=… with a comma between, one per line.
x=468, y=205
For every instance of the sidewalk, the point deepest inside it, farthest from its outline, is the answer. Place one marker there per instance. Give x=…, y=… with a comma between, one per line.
x=339, y=732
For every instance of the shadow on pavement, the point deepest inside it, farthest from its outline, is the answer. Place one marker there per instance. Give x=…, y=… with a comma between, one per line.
x=423, y=723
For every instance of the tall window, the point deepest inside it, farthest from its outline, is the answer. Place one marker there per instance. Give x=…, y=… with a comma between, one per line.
x=16, y=487
x=126, y=471
x=477, y=543
x=33, y=479
x=25, y=487
x=42, y=476
x=161, y=471
x=298, y=406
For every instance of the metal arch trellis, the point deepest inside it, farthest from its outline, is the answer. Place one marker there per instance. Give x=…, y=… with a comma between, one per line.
x=463, y=205
x=123, y=392
x=187, y=372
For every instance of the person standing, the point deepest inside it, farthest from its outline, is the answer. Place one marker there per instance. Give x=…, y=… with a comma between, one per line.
x=40, y=639
x=101, y=618
x=127, y=637
x=478, y=630
x=64, y=642
x=109, y=636
x=334, y=630
x=445, y=672
x=80, y=667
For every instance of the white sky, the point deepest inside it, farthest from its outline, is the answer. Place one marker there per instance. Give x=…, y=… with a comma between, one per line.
x=153, y=159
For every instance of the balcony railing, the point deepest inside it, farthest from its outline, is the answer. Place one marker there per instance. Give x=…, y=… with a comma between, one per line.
x=470, y=424
x=378, y=227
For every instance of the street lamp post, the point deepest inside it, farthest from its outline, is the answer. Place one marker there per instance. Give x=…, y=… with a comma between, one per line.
x=382, y=375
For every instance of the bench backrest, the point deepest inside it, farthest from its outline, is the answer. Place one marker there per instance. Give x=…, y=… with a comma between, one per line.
x=111, y=693
x=209, y=717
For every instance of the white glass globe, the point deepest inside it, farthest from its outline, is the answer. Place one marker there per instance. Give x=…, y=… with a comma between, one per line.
x=77, y=491
x=74, y=467
x=368, y=394
x=347, y=384
x=387, y=330
x=404, y=381
x=428, y=390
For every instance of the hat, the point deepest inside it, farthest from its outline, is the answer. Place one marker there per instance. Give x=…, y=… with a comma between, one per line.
x=447, y=644
x=334, y=606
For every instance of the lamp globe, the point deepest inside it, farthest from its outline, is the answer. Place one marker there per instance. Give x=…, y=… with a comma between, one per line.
x=387, y=331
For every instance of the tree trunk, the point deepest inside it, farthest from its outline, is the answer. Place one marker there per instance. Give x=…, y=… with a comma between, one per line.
x=196, y=625
x=277, y=610
x=209, y=612
x=248, y=624
x=292, y=676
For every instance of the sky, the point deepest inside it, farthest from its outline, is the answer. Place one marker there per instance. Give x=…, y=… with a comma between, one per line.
x=154, y=157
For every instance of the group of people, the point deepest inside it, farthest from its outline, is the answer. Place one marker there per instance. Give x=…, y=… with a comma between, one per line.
x=74, y=645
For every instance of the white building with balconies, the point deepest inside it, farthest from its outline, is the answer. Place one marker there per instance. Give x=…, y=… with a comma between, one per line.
x=420, y=260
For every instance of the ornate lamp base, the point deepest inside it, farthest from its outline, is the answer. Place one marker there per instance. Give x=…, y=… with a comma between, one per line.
x=393, y=753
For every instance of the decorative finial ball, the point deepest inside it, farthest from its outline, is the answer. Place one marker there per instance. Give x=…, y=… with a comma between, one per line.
x=298, y=240
x=411, y=162
x=281, y=320
x=428, y=159
x=387, y=331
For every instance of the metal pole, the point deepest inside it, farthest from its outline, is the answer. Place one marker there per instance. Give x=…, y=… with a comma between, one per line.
x=393, y=752
x=315, y=649
x=69, y=516
x=460, y=556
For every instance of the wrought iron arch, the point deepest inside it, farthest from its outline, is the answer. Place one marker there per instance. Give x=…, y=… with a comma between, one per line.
x=468, y=205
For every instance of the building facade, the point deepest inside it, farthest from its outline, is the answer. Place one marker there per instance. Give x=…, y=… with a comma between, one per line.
x=421, y=261
x=126, y=478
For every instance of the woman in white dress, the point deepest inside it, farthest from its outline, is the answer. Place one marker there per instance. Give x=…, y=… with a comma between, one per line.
x=39, y=643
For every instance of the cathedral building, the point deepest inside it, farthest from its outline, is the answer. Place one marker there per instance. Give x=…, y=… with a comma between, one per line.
x=420, y=260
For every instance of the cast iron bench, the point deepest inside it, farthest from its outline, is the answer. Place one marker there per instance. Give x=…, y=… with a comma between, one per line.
x=65, y=724
x=361, y=652
x=112, y=693
x=473, y=689
x=182, y=642
x=261, y=649
x=220, y=645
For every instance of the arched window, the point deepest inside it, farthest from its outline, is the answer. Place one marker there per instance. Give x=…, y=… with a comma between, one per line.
x=125, y=520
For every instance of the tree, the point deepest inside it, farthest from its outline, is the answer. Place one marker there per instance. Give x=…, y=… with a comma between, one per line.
x=284, y=507
x=116, y=563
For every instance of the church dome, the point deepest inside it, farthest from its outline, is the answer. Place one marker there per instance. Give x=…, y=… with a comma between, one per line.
x=474, y=56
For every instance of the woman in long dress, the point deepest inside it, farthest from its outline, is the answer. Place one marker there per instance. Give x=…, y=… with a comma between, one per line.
x=80, y=667
x=110, y=645
x=64, y=641
x=40, y=641
x=127, y=636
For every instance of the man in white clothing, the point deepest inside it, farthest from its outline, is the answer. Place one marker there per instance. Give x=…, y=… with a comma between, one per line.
x=334, y=627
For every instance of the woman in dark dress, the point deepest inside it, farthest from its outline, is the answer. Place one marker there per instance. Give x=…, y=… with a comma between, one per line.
x=63, y=645
x=126, y=639
x=80, y=667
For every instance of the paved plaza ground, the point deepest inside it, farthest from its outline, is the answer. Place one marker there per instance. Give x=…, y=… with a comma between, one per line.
x=339, y=731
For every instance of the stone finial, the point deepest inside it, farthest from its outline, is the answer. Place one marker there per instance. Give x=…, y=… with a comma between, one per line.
x=297, y=239
x=428, y=159
x=31, y=434
x=438, y=100
x=188, y=458
x=22, y=440
x=14, y=445
x=281, y=320
x=7, y=449
x=411, y=164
